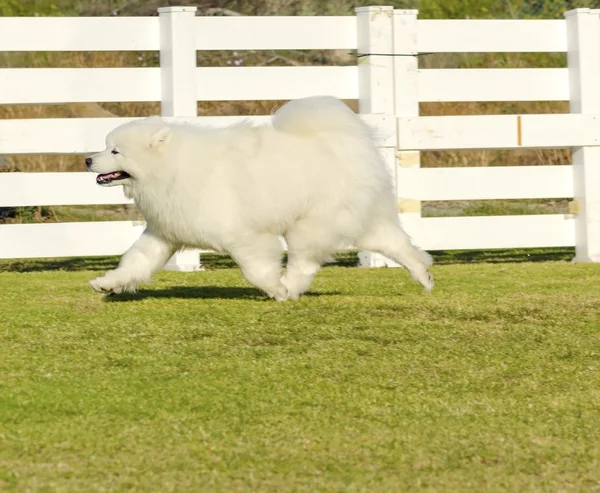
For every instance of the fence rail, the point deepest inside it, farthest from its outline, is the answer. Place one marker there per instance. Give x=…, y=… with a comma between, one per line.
x=388, y=89
x=428, y=133
x=79, y=34
x=486, y=183
x=87, y=135
x=492, y=36
x=462, y=233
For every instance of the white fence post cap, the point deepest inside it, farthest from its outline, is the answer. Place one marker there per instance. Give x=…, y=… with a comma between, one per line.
x=169, y=10
x=374, y=8
x=569, y=13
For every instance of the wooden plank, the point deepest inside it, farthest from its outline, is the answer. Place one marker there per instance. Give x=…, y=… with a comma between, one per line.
x=455, y=233
x=273, y=33
x=79, y=34
x=86, y=135
x=212, y=33
x=56, y=135
x=74, y=136
x=522, y=84
x=62, y=85
x=484, y=232
x=498, y=131
x=582, y=58
x=78, y=85
x=68, y=239
x=276, y=33
x=178, y=61
x=275, y=83
x=488, y=183
x=26, y=189
x=480, y=36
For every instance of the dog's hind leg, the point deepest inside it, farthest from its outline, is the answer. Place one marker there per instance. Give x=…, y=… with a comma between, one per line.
x=259, y=257
x=387, y=237
x=301, y=269
x=310, y=244
x=147, y=255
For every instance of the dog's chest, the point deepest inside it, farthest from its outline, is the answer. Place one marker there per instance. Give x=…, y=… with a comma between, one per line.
x=180, y=222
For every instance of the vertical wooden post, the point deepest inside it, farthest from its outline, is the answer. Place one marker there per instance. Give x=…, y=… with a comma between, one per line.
x=178, y=61
x=406, y=102
x=178, y=83
x=376, y=84
x=583, y=55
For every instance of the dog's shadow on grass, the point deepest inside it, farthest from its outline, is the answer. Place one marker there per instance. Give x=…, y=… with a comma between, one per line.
x=201, y=292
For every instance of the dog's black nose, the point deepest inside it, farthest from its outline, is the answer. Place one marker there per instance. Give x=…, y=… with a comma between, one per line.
x=88, y=161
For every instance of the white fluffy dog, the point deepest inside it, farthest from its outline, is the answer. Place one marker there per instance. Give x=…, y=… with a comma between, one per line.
x=313, y=176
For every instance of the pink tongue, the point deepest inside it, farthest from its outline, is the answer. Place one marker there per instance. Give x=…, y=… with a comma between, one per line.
x=109, y=176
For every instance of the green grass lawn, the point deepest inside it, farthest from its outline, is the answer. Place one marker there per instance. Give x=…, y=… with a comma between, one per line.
x=198, y=383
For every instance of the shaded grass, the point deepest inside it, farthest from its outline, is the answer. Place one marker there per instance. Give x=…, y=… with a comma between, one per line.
x=198, y=383
x=344, y=259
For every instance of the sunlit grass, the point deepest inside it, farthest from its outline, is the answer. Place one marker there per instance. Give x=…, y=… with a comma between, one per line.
x=198, y=383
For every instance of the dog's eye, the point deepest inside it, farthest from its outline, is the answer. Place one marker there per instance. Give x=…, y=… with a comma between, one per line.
x=114, y=151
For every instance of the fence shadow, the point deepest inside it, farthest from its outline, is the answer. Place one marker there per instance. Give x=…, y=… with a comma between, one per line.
x=210, y=261
x=201, y=292
x=503, y=256
x=64, y=264
x=345, y=259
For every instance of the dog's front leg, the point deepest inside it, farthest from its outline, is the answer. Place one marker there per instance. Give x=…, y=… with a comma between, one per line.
x=146, y=256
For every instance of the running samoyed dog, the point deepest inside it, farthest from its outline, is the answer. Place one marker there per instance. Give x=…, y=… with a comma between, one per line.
x=313, y=176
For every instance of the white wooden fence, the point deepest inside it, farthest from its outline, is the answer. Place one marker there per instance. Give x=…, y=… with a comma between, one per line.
x=389, y=89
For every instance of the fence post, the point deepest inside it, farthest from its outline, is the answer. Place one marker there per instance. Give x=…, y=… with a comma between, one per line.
x=583, y=56
x=376, y=84
x=178, y=88
x=406, y=102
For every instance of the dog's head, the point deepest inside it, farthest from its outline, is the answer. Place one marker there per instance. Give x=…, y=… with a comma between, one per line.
x=130, y=151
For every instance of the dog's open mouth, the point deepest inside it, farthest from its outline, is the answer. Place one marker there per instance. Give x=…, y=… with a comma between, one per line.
x=107, y=178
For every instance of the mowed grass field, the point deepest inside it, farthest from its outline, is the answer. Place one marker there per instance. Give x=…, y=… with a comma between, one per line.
x=198, y=383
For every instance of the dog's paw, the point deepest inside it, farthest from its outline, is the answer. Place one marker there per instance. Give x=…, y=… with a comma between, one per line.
x=292, y=293
x=425, y=279
x=292, y=296
x=279, y=294
x=106, y=285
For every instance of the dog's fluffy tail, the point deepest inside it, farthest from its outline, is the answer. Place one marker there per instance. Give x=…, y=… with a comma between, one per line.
x=318, y=114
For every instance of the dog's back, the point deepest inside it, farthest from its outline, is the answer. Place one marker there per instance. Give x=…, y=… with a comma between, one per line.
x=319, y=114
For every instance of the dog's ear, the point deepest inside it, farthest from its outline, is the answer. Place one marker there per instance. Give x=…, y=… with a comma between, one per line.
x=160, y=137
